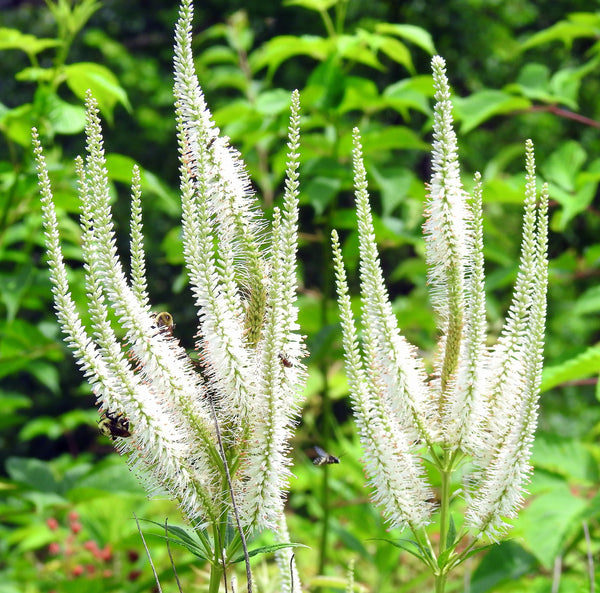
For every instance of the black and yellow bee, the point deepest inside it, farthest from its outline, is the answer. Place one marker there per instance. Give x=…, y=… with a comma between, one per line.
x=164, y=322
x=324, y=458
x=114, y=425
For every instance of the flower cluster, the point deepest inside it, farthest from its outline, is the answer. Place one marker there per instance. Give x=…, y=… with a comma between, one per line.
x=212, y=429
x=477, y=401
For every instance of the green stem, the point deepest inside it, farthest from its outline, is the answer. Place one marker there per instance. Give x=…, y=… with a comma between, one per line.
x=326, y=520
x=444, y=510
x=217, y=568
x=440, y=583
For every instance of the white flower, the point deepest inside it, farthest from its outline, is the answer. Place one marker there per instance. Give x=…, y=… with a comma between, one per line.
x=478, y=402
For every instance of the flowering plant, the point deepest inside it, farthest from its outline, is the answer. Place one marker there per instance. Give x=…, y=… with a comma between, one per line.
x=478, y=404
x=212, y=430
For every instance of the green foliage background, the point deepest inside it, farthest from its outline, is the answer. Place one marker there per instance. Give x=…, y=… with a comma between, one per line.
x=519, y=68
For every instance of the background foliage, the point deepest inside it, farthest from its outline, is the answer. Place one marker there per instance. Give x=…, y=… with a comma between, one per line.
x=519, y=70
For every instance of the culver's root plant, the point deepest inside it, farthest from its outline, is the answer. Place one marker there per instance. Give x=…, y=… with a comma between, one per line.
x=479, y=405
x=212, y=431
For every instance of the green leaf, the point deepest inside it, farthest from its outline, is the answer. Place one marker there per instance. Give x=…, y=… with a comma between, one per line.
x=412, y=33
x=20, y=344
x=360, y=94
x=577, y=25
x=563, y=165
x=192, y=540
x=547, y=520
x=272, y=102
x=112, y=476
x=104, y=85
x=534, y=83
x=409, y=546
x=64, y=117
x=280, y=49
x=120, y=168
x=266, y=550
x=390, y=138
x=320, y=191
x=17, y=123
x=506, y=561
x=316, y=5
x=565, y=457
x=588, y=302
x=411, y=93
x=33, y=472
x=36, y=74
x=354, y=48
x=398, y=52
x=581, y=366
x=30, y=44
x=451, y=536
x=483, y=105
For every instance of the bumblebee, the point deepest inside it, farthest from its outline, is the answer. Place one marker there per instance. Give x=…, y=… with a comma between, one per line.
x=323, y=458
x=164, y=322
x=114, y=425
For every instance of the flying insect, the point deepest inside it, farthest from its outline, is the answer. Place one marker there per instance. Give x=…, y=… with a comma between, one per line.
x=285, y=361
x=164, y=322
x=114, y=425
x=324, y=458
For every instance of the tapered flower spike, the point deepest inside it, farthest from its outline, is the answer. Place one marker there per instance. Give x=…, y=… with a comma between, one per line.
x=217, y=202
x=393, y=362
x=213, y=432
x=479, y=402
x=276, y=406
x=394, y=471
x=118, y=389
x=247, y=320
x=515, y=378
x=447, y=234
x=462, y=413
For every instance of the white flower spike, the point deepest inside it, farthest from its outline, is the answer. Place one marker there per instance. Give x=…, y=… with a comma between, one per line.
x=479, y=404
x=212, y=431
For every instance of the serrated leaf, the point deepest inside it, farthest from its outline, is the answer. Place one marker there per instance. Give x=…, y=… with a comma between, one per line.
x=353, y=47
x=360, y=94
x=451, y=533
x=564, y=456
x=581, y=366
x=272, y=102
x=412, y=93
x=120, y=168
x=316, y=5
x=398, y=52
x=473, y=552
x=280, y=49
x=392, y=137
x=33, y=472
x=64, y=117
x=563, y=165
x=547, y=520
x=36, y=74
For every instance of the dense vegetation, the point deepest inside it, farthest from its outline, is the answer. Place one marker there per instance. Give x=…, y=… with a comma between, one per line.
x=521, y=72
